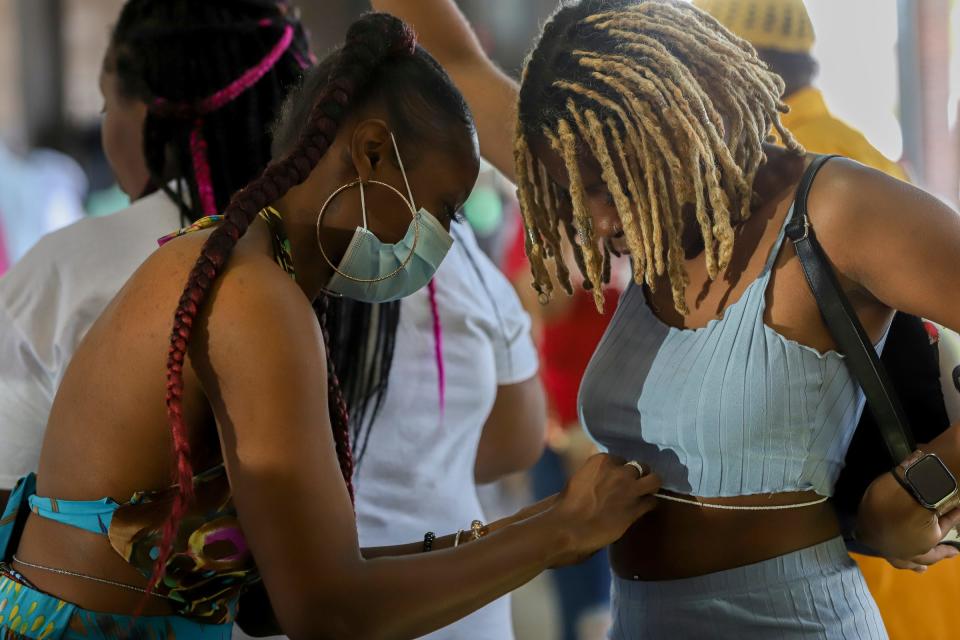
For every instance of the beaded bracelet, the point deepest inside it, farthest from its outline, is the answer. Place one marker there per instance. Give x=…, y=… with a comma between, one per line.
x=478, y=529
x=428, y=539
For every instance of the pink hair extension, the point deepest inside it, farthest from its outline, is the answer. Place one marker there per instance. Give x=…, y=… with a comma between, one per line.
x=198, y=146
x=229, y=93
x=438, y=345
x=250, y=77
x=201, y=169
x=4, y=260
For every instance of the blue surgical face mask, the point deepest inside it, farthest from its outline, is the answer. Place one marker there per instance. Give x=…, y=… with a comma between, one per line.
x=375, y=271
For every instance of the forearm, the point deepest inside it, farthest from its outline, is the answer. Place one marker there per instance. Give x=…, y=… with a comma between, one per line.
x=491, y=94
x=448, y=541
x=257, y=619
x=439, y=544
x=451, y=583
x=503, y=454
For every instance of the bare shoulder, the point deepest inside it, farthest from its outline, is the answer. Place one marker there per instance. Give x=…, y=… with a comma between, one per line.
x=257, y=310
x=855, y=208
x=894, y=241
x=845, y=191
x=253, y=308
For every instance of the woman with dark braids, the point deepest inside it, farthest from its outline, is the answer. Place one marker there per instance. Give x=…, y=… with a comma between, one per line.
x=261, y=505
x=642, y=128
x=175, y=165
x=181, y=139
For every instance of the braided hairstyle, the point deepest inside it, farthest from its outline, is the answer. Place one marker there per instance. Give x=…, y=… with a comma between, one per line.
x=673, y=107
x=380, y=62
x=363, y=338
x=182, y=51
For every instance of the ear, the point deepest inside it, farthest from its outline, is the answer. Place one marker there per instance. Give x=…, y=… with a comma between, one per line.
x=370, y=146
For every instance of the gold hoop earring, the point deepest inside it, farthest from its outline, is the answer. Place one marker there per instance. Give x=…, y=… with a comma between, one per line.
x=363, y=207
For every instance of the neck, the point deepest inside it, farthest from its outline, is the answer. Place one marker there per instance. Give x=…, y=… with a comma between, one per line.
x=782, y=169
x=313, y=272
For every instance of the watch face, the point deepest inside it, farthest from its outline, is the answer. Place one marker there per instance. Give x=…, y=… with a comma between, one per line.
x=931, y=479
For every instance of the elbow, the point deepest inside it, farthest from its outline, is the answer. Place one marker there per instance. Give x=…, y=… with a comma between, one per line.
x=531, y=454
x=515, y=433
x=493, y=465
x=529, y=445
x=528, y=455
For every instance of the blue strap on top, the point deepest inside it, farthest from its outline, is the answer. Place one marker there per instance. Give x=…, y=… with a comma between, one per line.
x=90, y=515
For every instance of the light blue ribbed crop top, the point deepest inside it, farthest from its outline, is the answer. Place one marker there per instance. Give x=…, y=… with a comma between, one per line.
x=733, y=408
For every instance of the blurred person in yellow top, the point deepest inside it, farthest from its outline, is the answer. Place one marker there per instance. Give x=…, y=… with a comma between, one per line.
x=913, y=606
x=783, y=35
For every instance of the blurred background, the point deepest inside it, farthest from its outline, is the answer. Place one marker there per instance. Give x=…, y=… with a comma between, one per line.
x=890, y=68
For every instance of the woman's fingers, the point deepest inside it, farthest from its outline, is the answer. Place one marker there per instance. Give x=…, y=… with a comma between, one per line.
x=906, y=565
x=935, y=555
x=648, y=484
x=921, y=563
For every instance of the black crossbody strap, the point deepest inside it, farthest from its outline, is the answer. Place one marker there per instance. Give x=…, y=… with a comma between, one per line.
x=845, y=327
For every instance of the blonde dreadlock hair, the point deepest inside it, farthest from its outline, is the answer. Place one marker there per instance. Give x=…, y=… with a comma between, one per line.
x=672, y=106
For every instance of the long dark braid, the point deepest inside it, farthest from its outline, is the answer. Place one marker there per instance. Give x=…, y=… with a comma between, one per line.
x=339, y=415
x=155, y=49
x=363, y=337
x=370, y=41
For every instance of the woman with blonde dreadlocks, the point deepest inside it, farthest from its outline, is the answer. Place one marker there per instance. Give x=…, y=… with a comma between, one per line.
x=642, y=129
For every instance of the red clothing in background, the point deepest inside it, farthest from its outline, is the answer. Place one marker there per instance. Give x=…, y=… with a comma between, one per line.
x=567, y=342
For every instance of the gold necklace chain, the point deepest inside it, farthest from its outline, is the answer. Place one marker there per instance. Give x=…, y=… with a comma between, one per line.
x=74, y=574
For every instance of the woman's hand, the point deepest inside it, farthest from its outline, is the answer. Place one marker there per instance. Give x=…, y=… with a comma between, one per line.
x=893, y=523
x=599, y=504
x=920, y=564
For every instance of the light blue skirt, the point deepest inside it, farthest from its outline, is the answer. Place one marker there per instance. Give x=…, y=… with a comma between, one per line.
x=816, y=592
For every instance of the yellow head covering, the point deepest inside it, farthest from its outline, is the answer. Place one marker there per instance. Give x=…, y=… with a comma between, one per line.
x=783, y=25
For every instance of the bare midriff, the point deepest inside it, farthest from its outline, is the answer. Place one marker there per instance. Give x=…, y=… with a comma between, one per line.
x=683, y=540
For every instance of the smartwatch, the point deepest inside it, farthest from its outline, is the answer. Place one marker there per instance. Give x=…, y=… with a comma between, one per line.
x=929, y=481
